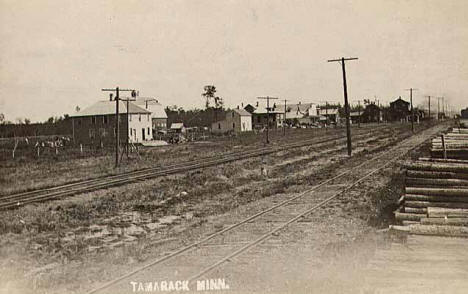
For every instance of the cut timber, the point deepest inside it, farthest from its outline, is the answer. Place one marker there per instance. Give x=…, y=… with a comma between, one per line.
x=441, y=167
x=415, y=210
x=436, y=182
x=460, y=221
x=447, y=212
x=451, y=231
x=407, y=223
x=437, y=191
x=435, y=198
x=401, y=216
x=443, y=160
x=435, y=175
x=426, y=204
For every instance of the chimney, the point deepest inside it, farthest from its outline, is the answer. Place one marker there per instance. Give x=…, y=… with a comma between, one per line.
x=242, y=104
x=257, y=104
x=110, y=96
x=237, y=106
x=299, y=102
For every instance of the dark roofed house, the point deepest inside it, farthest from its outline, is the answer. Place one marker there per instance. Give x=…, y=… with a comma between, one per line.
x=236, y=120
x=96, y=123
x=399, y=110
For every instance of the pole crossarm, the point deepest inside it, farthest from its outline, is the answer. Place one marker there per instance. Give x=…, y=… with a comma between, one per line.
x=342, y=59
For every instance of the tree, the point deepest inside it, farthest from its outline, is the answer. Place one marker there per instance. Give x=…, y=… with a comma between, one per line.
x=2, y=118
x=27, y=121
x=209, y=94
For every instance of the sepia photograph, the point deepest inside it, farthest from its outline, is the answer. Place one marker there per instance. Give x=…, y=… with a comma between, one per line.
x=234, y=146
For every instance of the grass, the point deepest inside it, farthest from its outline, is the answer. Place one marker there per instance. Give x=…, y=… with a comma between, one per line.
x=37, y=230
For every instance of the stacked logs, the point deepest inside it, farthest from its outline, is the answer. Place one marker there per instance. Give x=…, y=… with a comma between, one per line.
x=453, y=144
x=436, y=198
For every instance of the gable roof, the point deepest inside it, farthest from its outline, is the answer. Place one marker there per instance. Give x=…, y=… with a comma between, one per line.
x=176, y=126
x=157, y=109
x=242, y=112
x=107, y=107
x=327, y=111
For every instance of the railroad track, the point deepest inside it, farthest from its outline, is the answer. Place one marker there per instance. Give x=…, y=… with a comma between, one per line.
x=19, y=199
x=194, y=261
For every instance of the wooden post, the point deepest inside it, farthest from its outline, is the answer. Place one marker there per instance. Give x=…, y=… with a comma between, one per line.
x=443, y=146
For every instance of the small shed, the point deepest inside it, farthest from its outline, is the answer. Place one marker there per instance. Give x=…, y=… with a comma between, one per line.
x=178, y=128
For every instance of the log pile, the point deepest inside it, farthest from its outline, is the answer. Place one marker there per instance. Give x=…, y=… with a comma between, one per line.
x=436, y=198
x=453, y=144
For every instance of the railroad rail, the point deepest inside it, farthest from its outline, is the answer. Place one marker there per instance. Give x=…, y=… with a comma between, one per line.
x=19, y=199
x=351, y=179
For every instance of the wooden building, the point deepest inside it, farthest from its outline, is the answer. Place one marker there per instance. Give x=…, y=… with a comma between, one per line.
x=236, y=120
x=96, y=125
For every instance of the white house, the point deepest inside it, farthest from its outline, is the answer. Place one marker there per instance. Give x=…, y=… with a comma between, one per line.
x=158, y=113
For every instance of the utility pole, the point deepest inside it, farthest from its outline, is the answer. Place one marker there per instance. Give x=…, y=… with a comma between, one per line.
x=117, y=127
x=412, y=112
x=128, y=118
x=345, y=90
x=267, y=98
x=438, y=107
x=284, y=119
x=359, y=113
x=429, y=106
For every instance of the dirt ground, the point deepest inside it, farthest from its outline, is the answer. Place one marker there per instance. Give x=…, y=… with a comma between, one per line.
x=69, y=246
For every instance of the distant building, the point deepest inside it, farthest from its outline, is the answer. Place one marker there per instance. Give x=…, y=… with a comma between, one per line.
x=464, y=113
x=301, y=113
x=399, y=110
x=177, y=128
x=371, y=113
x=158, y=113
x=328, y=114
x=96, y=124
x=355, y=117
x=236, y=120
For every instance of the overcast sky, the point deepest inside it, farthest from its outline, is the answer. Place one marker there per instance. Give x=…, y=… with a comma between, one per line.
x=56, y=55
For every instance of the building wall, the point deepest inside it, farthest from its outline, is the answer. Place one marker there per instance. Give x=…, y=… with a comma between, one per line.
x=159, y=123
x=233, y=123
x=138, y=123
x=100, y=129
x=261, y=120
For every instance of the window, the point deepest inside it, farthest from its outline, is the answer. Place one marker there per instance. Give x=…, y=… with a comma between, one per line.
x=258, y=118
x=233, y=125
x=93, y=120
x=129, y=117
x=139, y=117
x=105, y=119
x=233, y=114
x=219, y=126
x=131, y=132
x=148, y=131
x=78, y=120
x=91, y=133
x=148, y=117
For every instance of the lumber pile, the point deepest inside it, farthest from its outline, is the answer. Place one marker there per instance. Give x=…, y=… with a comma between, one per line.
x=436, y=198
x=453, y=144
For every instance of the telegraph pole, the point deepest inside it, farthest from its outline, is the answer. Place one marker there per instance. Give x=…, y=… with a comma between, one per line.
x=438, y=107
x=412, y=112
x=128, y=116
x=284, y=120
x=359, y=113
x=267, y=98
x=117, y=130
x=345, y=90
x=429, y=106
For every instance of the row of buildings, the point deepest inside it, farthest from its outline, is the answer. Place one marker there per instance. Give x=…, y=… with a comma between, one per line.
x=141, y=118
x=309, y=114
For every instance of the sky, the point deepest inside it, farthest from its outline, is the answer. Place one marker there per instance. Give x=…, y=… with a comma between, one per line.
x=56, y=55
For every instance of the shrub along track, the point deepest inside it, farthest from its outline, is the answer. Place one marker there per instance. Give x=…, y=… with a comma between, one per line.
x=20, y=199
x=195, y=260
